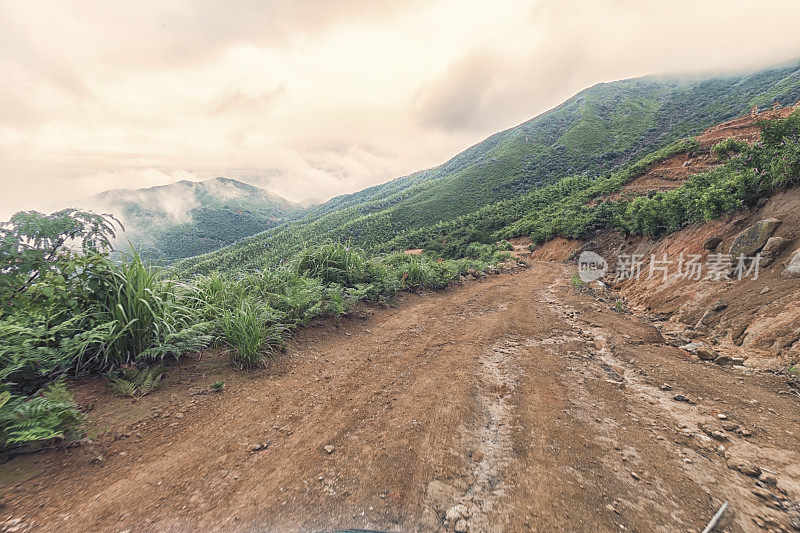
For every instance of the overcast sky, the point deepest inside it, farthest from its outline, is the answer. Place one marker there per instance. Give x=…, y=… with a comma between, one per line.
x=311, y=99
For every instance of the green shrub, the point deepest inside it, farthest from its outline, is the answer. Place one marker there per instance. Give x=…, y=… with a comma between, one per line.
x=332, y=263
x=729, y=147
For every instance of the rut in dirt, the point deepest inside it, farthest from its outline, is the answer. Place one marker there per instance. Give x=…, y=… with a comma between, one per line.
x=481, y=505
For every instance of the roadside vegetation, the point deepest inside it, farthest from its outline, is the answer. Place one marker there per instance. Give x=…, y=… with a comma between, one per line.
x=67, y=308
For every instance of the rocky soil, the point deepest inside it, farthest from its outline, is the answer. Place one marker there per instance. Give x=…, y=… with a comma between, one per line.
x=515, y=402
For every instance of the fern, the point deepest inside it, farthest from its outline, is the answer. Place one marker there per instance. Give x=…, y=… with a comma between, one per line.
x=122, y=387
x=48, y=415
x=136, y=383
x=190, y=339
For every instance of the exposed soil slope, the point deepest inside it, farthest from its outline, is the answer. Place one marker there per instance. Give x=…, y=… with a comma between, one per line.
x=761, y=318
x=672, y=172
x=512, y=403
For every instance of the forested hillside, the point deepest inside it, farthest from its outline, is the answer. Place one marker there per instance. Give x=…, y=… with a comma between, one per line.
x=596, y=132
x=188, y=218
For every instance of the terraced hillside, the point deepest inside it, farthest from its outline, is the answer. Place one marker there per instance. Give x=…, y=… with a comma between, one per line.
x=598, y=131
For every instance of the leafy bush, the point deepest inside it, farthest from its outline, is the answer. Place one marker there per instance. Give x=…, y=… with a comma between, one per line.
x=34, y=246
x=725, y=149
x=332, y=263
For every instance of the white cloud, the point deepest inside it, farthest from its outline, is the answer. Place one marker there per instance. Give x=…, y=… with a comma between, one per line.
x=314, y=98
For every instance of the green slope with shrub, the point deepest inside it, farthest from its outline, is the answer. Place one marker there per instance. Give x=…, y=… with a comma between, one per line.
x=576, y=206
x=594, y=134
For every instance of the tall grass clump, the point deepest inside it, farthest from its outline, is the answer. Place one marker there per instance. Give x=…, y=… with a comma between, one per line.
x=139, y=318
x=249, y=334
x=332, y=263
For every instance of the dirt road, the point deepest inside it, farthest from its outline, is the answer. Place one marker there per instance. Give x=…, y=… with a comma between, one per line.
x=507, y=404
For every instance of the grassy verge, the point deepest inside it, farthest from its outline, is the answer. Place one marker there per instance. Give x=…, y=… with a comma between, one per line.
x=79, y=312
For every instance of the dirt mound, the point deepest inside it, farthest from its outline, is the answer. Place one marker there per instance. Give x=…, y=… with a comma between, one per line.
x=558, y=249
x=743, y=128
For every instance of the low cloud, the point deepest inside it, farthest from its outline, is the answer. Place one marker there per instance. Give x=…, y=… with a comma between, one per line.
x=457, y=99
x=484, y=91
x=318, y=98
x=237, y=101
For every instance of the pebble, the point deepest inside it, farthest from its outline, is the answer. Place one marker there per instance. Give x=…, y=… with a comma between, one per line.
x=329, y=449
x=718, y=435
x=259, y=446
x=722, y=416
x=456, y=513
x=680, y=398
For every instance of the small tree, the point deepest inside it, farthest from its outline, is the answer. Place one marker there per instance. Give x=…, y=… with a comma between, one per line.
x=33, y=245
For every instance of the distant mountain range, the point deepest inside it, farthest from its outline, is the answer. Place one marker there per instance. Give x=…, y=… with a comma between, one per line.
x=188, y=218
x=468, y=198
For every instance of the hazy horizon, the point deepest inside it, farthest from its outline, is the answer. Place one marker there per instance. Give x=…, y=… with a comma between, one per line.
x=315, y=99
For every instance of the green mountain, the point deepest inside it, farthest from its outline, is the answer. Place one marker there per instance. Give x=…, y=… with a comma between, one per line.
x=188, y=218
x=598, y=131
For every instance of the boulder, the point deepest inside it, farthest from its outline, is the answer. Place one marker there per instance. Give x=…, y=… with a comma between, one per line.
x=751, y=240
x=794, y=265
x=691, y=347
x=712, y=242
x=706, y=354
x=771, y=250
x=724, y=360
